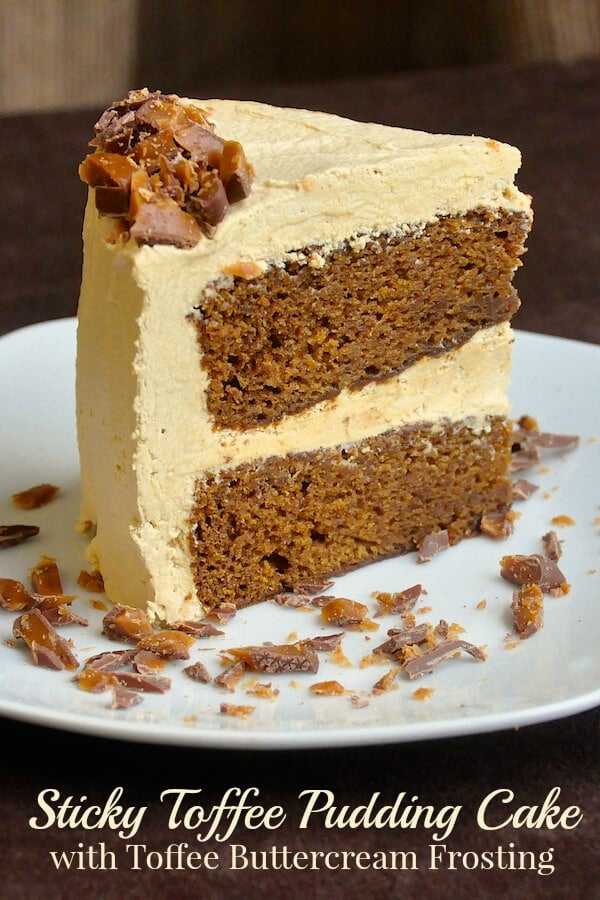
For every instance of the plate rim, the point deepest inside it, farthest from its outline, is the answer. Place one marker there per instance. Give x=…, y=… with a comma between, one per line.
x=231, y=739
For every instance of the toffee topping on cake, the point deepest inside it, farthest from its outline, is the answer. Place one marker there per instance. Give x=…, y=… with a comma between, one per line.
x=160, y=170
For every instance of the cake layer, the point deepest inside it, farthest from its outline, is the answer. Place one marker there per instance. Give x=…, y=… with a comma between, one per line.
x=263, y=526
x=303, y=331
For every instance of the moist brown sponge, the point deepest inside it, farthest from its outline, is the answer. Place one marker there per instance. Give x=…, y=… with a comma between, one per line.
x=259, y=528
x=298, y=334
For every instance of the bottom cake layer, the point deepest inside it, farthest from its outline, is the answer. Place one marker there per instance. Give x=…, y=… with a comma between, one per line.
x=262, y=527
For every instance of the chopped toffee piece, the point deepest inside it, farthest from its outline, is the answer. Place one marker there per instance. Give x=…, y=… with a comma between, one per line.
x=534, y=569
x=230, y=677
x=498, y=525
x=385, y=683
x=343, y=612
x=452, y=631
x=145, y=662
x=312, y=587
x=358, y=702
x=91, y=581
x=327, y=688
x=235, y=172
x=295, y=601
x=94, y=680
x=274, y=659
x=562, y=521
x=426, y=662
x=442, y=629
x=338, y=656
x=60, y=614
x=198, y=629
x=125, y=623
x=237, y=710
x=325, y=642
x=46, y=657
x=527, y=423
x=169, y=644
x=551, y=441
x=135, y=681
x=159, y=220
x=123, y=698
x=552, y=546
x=45, y=577
x=11, y=535
x=159, y=168
x=110, y=660
x=247, y=270
x=98, y=604
x=521, y=459
x=52, y=602
x=527, y=610
x=47, y=647
x=224, y=612
x=15, y=596
x=523, y=489
x=432, y=544
x=266, y=691
x=321, y=599
x=197, y=672
x=400, y=637
x=423, y=693
x=399, y=601
x=527, y=442
x=36, y=496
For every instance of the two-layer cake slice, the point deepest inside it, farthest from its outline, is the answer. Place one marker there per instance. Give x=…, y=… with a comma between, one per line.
x=290, y=367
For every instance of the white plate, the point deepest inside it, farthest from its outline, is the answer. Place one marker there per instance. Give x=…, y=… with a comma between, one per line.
x=555, y=673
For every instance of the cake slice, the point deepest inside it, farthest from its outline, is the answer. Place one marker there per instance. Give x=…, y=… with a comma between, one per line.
x=294, y=346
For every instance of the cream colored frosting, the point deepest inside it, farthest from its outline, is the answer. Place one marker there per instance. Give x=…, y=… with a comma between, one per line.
x=145, y=434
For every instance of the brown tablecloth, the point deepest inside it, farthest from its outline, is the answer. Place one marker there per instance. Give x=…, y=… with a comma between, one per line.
x=550, y=112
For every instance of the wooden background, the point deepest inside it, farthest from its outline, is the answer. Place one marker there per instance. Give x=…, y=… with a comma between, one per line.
x=64, y=54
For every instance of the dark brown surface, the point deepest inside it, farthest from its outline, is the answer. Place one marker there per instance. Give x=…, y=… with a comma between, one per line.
x=551, y=113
